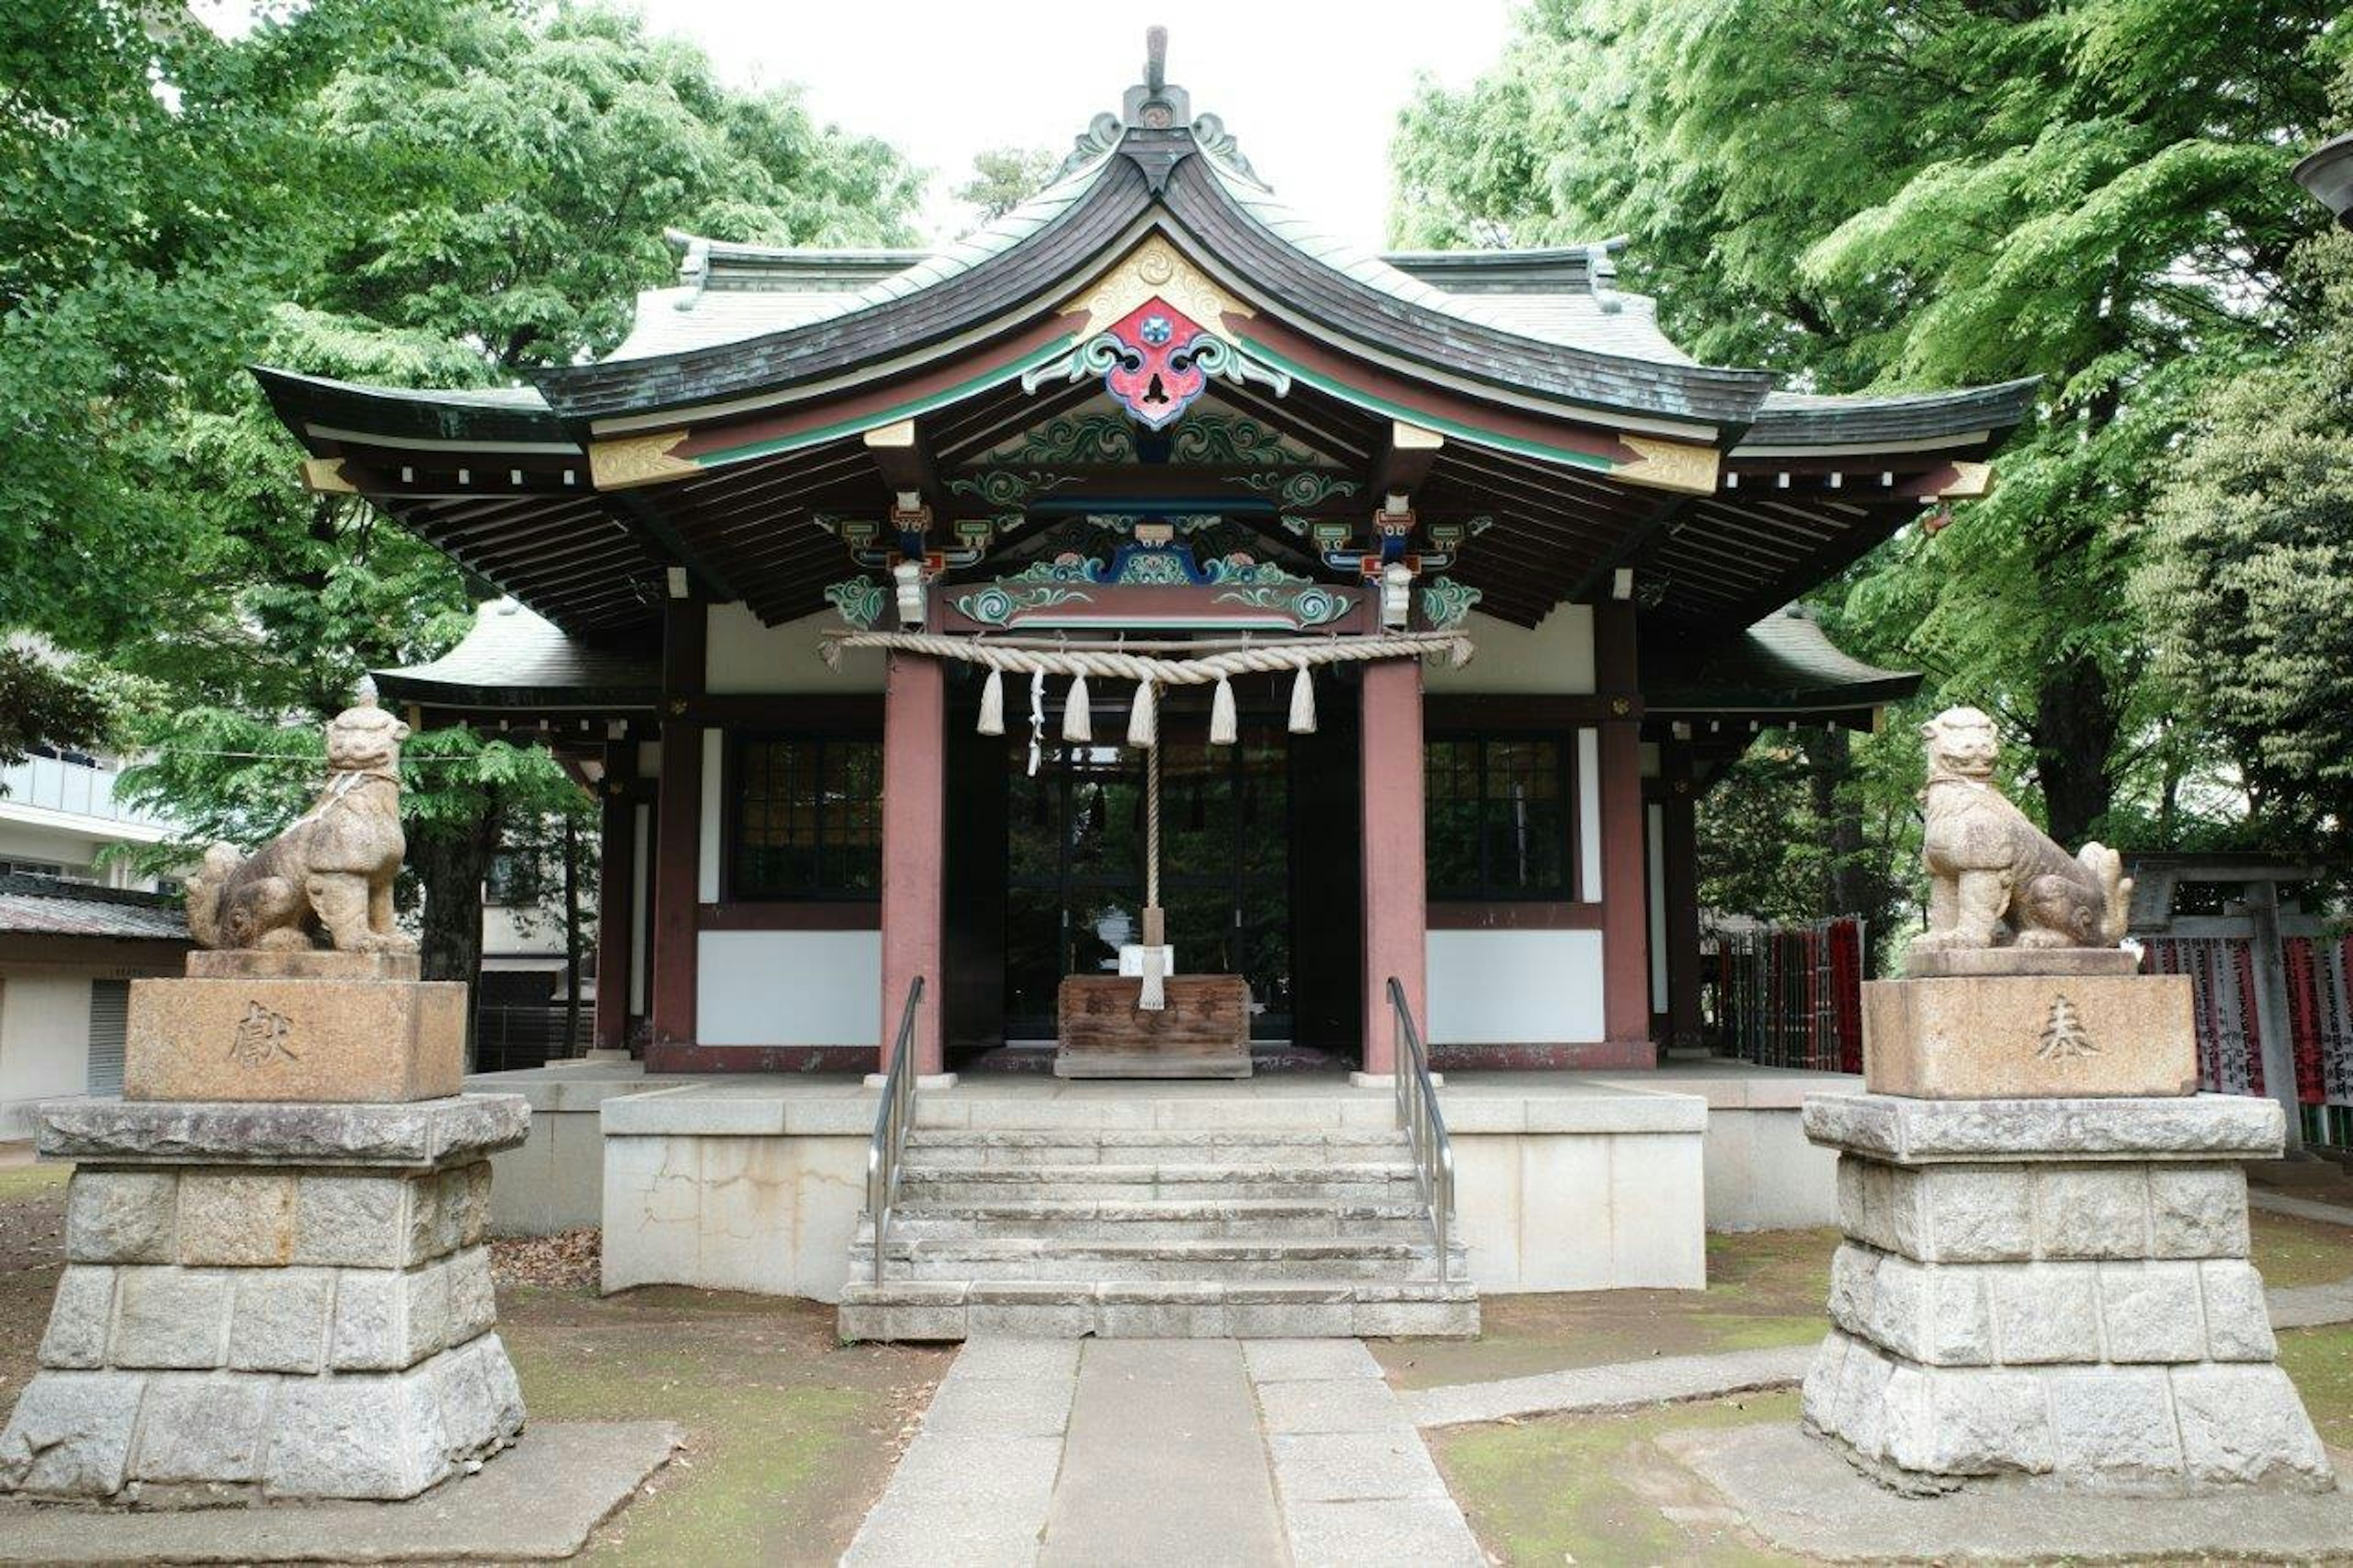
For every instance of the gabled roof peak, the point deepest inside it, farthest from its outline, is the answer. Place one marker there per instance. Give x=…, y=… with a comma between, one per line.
x=1155, y=124
x=1153, y=105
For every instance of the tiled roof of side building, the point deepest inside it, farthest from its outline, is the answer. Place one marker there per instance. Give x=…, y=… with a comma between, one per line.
x=512, y=658
x=1785, y=663
x=42, y=906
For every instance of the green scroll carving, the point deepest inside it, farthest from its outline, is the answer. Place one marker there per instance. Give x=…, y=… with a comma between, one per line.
x=859, y=601
x=1446, y=604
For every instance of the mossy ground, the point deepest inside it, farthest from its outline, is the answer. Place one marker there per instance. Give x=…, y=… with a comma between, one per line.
x=1766, y=1288
x=1599, y=1488
x=790, y=1434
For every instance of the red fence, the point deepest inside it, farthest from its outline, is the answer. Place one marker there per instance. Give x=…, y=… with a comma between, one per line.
x=1790, y=995
x=2223, y=979
x=2223, y=982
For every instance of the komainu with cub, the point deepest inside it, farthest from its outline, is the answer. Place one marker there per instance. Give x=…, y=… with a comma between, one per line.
x=329, y=874
x=1987, y=864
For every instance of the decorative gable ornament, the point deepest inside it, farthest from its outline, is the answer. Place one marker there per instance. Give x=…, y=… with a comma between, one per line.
x=1149, y=334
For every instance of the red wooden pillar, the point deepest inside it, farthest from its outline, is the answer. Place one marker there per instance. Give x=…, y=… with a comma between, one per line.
x=915, y=849
x=678, y=806
x=616, y=892
x=1625, y=922
x=1397, y=911
x=1679, y=816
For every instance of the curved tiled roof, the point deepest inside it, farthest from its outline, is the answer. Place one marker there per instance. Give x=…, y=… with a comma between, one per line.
x=1801, y=419
x=514, y=659
x=1784, y=664
x=721, y=440
x=42, y=906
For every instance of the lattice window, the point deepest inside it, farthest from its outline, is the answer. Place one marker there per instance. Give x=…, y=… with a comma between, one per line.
x=808, y=818
x=1498, y=816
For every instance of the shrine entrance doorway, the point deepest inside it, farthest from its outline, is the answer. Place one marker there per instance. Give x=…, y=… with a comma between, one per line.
x=1257, y=872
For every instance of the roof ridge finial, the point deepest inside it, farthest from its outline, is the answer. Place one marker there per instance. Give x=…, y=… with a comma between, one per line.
x=1156, y=60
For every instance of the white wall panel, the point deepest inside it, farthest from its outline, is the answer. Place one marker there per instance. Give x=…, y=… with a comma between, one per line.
x=1555, y=656
x=740, y=655
x=706, y=864
x=641, y=883
x=1589, y=816
x=1514, y=987
x=788, y=988
x=1654, y=840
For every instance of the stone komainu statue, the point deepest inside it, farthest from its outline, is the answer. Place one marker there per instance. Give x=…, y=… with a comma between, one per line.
x=1987, y=864
x=329, y=874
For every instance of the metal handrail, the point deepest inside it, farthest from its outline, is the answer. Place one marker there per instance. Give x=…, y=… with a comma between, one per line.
x=893, y=1120
x=1424, y=1123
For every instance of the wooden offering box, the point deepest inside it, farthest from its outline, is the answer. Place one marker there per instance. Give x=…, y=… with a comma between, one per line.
x=1203, y=1032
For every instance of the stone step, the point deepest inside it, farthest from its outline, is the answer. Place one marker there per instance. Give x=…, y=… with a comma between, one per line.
x=938, y=1149
x=969, y=1308
x=1367, y=1181
x=1034, y=1261
x=1167, y=1218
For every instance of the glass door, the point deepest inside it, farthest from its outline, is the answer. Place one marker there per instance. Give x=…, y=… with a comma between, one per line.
x=1074, y=868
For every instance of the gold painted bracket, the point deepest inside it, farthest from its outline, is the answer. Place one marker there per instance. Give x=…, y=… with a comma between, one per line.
x=325, y=477
x=639, y=460
x=1670, y=466
x=1971, y=481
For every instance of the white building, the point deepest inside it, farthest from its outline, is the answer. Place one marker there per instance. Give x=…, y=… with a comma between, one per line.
x=74, y=933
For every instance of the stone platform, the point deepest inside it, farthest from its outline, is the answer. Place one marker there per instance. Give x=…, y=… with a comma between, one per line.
x=269, y=1301
x=1800, y=1497
x=2056, y=1290
x=540, y=1502
x=755, y=1182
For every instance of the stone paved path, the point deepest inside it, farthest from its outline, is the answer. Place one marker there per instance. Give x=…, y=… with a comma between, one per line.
x=2303, y=1208
x=1139, y=1452
x=1620, y=1386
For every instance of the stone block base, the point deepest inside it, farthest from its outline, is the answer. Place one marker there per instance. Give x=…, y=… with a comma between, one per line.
x=295, y=1026
x=2081, y=1312
x=268, y=1301
x=2001, y=1036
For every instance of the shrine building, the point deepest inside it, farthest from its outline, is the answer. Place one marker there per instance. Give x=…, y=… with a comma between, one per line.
x=1147, y=593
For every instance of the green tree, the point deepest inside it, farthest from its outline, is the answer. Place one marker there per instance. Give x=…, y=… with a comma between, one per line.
x=2248, y=579
x=412, y=192
x=1005, y=177
x=42, y=704
x=1923, y=193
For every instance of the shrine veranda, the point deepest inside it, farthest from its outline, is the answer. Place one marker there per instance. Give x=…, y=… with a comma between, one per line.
x=805, y=575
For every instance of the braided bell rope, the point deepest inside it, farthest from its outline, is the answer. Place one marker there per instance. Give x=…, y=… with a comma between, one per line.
x=1112, y=664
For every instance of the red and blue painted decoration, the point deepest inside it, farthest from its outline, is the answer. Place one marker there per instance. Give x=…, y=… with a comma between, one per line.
x=1159, y=360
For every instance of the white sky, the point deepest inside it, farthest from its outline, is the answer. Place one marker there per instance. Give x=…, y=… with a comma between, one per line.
x=1310, y=88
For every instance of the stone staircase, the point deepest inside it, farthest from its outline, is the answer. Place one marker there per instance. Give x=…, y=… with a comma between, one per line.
x=1256, y=1233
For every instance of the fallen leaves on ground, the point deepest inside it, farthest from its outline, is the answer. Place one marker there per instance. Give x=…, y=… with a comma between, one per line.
x=569, y=1259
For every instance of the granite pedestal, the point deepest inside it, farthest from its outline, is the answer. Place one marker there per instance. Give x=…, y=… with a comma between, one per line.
x=2054, y=1288
x=269, y=1301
